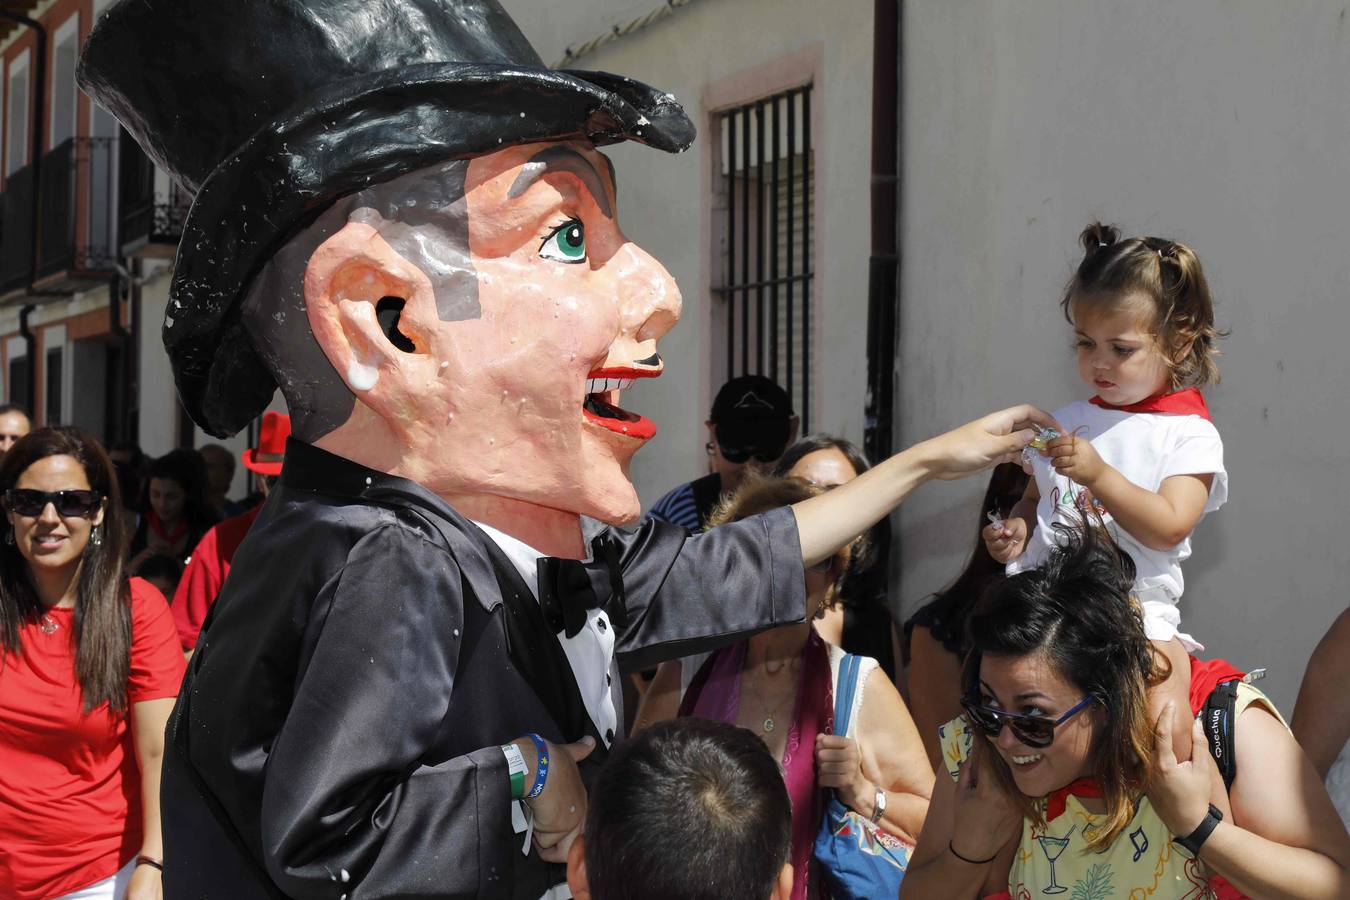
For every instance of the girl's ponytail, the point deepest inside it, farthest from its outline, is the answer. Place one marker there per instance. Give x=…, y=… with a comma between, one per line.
x=1097, y=236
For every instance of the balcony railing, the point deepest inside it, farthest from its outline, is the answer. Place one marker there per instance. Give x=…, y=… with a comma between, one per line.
x=151, y=213
x=16, y=230
x=63, y=246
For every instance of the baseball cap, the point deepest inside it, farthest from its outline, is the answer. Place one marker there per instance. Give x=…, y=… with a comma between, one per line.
x=752, y=413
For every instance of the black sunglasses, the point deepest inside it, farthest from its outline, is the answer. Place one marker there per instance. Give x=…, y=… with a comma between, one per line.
x=742, y=454
x=70, y=504
x=1034, y=731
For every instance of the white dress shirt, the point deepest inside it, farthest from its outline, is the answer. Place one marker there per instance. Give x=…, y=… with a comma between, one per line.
x=589, y=653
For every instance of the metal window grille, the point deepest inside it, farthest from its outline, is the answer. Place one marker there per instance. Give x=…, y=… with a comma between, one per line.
x=765, y=195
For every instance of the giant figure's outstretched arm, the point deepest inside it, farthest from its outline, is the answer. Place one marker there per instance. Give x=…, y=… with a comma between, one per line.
x=688, y=595
x=829, y=521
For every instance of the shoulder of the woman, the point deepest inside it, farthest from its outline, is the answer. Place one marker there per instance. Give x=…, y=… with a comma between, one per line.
x=146, y=600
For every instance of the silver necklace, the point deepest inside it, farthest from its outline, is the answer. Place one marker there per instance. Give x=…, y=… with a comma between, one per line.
x=768, y=724
x=48, y=624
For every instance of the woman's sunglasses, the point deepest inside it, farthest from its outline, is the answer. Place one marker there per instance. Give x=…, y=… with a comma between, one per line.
x=70, y=504
x=1034, y=731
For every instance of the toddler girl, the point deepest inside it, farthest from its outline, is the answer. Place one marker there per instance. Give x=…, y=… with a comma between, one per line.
x=1142, y=452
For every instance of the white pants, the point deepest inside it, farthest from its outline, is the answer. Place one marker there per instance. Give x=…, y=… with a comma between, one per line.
x=114, y=888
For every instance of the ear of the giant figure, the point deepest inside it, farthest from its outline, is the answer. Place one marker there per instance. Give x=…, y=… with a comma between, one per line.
x=365, y=303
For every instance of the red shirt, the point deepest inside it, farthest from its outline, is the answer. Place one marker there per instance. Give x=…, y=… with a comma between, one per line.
x=70, y=788
x=206, y=572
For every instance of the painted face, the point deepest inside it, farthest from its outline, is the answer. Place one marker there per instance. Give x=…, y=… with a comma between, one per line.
x=526, y=400
x=48, y=540
x=1118, y=356
x=826, y=468
x=167, y=499
x=13, y=425
x=1029, y=685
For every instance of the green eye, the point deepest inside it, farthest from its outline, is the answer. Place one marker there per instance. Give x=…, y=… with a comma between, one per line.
x=566, y=243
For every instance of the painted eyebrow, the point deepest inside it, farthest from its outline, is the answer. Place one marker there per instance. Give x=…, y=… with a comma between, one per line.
x=564, y=159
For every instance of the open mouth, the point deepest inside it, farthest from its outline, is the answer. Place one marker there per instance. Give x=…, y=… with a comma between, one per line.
x=601, y=406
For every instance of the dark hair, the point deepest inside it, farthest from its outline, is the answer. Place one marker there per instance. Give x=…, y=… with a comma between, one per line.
x=1166, y=272
x=160, y=565
x=689, y=809
x=103, y=604
x=186, y=467
x=1077, y=609
x=14, y=408
x=946, y=611
x=865, y=550
x=814, y=443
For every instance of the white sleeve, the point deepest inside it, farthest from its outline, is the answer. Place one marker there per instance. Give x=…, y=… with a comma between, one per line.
x=1197, y=449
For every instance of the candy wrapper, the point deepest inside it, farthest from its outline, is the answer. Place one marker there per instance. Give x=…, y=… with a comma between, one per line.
x=1043, y=437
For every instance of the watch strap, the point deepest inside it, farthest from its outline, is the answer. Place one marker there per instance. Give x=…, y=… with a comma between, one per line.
x=1196, y=839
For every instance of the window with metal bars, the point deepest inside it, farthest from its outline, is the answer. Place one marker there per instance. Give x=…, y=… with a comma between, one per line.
x=764, y=196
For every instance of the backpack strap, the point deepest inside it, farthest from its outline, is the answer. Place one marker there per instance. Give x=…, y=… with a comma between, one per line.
x=1217, y=721
x=845, y=690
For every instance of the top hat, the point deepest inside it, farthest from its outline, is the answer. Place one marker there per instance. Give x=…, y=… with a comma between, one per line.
x=268, y=112
x=267, y=457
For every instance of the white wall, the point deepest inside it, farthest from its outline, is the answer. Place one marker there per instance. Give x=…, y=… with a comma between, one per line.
x=700, y=45
x=159, y=399
x=1222, y=124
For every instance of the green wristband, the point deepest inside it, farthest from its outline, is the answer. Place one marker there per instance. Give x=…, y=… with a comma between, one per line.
x=515, y=764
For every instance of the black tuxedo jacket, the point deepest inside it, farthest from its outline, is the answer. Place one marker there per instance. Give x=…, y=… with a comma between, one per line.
x=339, y=729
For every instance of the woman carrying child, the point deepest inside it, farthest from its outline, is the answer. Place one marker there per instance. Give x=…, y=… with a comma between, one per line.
x=1142, y=453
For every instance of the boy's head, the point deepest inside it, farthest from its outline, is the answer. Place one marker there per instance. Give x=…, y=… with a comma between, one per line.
x=688, y=809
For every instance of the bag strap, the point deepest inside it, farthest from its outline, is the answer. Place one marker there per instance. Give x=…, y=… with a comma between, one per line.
x=1217, y=721
x=845, y=690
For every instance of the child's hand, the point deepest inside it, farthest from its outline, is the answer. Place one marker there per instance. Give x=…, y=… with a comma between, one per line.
x=1006, y=542
x=1075, y=458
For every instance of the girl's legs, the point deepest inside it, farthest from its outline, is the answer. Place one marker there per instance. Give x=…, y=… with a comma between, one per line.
x=1177, y=688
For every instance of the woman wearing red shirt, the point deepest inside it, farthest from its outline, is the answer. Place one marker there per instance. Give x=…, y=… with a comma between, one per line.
x=89, y=667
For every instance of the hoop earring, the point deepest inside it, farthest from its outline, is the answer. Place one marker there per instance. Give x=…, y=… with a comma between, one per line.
x=95, y=537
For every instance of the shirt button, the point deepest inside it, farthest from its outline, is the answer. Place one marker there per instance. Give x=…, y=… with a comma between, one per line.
x=600, y=623
x=609, y=735
x=609, y=679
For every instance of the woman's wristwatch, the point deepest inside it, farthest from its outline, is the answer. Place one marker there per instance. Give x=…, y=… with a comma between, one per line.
x=1196, y=839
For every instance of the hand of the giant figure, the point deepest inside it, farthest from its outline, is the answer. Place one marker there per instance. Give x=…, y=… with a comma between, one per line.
x=828, y=521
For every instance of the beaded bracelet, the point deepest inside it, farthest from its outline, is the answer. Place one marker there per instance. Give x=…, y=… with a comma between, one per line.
x=541, y=768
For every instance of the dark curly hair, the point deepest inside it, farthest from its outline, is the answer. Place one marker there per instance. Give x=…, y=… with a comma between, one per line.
x=1077, y=609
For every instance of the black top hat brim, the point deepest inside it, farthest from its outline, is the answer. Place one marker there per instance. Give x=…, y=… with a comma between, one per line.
x=359, y=132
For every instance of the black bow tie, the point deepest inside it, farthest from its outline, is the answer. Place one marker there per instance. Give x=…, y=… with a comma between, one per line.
x=569, y=588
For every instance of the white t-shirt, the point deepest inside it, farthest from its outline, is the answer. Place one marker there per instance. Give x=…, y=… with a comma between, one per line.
x=1147, y=448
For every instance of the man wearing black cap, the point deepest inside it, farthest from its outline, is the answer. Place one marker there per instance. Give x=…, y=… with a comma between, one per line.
x=751, y=423
x=401, y=219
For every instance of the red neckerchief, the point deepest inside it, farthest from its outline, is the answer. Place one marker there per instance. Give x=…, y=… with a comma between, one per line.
x=1187, y=402
x=157, y=527
x=1083, y=787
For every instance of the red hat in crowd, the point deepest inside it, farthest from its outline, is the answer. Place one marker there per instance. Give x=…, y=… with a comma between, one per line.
x=266, y=458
